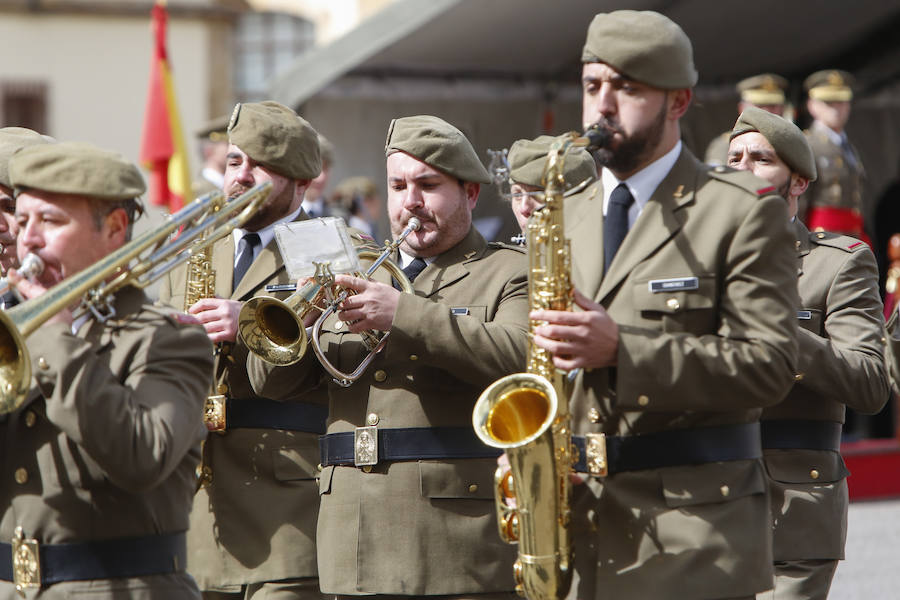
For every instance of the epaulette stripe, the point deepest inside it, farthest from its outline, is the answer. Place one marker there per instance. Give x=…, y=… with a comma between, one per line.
x=765, y=190
x=851, y=246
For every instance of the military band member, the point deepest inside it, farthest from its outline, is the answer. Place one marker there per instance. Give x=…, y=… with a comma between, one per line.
x=834, y=201
x=686, y=332
x=213, y=140
x=840, y=363
x=253, y=524
x=527, y=160
x=98, y=463
x=765, y=91
x=314, y=202
x=414, y=515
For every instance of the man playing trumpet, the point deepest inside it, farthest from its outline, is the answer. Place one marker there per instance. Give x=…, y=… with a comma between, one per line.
x=97, y=463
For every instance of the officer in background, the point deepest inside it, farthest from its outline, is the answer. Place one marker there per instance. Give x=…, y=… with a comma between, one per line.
x=527, y=161
x=687, y=280
x=213, y=140
x=840, y=363
x=765, y=91
x=834, y=201
x=98, y=463
x=253, y=524
x=315, y=204
x=407, y=488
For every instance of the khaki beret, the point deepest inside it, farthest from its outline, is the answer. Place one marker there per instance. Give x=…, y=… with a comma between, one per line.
x=274, y=135
x=528, y=159
x=767, y=88
x=644, y=45
x=326, y=150
x=830, y=86
x=76, y=168
x=356, y=186
x=786, y=138
x=215, y=130
x=13, y=139
x=436, y=143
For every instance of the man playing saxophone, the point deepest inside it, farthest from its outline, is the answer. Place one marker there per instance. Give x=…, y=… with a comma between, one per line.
x=97, y=463
x=253, y=524
x=406, y=490
x=687, y=283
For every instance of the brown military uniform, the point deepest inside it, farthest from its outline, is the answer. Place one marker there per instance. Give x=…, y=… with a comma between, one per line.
x=106, y=446
x=423, y=525
x=703, y=291
x=841, y=364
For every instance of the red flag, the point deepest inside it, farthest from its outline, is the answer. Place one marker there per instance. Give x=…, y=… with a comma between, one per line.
x=162, y=143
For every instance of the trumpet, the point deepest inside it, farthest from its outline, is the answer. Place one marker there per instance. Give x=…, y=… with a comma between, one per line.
x=156, y=253
x=273, y=329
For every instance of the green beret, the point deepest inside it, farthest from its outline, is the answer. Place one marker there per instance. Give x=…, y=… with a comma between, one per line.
x=438, y=144
x=767, y=88
x=830, y=86
x=13, y=139
x=528, y=159
x=644, y=45
x=76, y=168
x=786, y=138
x=275, y=136
x=215, y=130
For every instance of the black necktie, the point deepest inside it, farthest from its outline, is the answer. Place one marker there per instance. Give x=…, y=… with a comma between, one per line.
x=615, y=225
x=412, y=270
x=245, y=257
x=848, y=152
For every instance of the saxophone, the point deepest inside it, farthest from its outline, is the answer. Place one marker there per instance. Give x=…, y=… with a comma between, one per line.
x=527, y=414
x=200, y=279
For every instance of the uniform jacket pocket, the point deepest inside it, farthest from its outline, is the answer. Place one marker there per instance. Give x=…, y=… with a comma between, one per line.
x=805, y=466
x=464, y=478
x=691, y=309
x=712, y=482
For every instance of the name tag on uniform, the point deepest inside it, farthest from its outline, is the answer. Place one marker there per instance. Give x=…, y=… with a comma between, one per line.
x=459, y=311
x=804, y=315
x=282, y=287
x=672, y=285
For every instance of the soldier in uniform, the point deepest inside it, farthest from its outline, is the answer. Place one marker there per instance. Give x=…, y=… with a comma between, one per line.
x=98, y=463
x=840, y=363
x=253, y=524
x=213, y=139
x=314, y=202
x=765, y=91
x=834, y=201
x=687, y=281
x=407, y=505
x=527, y=160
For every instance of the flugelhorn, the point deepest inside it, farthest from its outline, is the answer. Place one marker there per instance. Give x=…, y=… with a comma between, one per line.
x=156, y=254
x=273, y=329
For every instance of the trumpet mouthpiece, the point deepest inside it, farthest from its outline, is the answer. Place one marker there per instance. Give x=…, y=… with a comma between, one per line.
x=414, y=224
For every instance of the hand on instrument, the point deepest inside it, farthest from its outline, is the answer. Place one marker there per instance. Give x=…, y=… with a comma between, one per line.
x=371, y=307
x=578, y=339
x=219, y=318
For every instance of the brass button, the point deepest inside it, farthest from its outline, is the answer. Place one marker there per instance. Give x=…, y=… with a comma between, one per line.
x=380, y=375
x=720, y=169
x=319, y=467
x=473, y=488
x=643, y=400
x=222, y=389
x=725, y=491
x=814, y=474
x=42, y=363
x=204, y=475
x=21, y=475
x=594, y=415
x=673, y=303
x=372, y=419
x=367, y=468
x=798, y=377
x=30, y=418
x=797, y=244
x=413, y=357
x=339, y=325
x=820, y=235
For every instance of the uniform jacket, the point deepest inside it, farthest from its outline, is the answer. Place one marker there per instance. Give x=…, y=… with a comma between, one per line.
x=717, y=151
x=421, y=527
x=839, y=183
x=840, y=363
x=254, y=516
x=107, y=442
x=688, y=358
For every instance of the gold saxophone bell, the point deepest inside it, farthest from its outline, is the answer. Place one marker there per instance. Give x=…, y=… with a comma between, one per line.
x=156, y=254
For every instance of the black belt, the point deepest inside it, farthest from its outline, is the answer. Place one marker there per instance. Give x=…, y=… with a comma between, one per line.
x=801, y=434
x=676, y=448
x=105, y=559
x=262, y=413
x=413, y=443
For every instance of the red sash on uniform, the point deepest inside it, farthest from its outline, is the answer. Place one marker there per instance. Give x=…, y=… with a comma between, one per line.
x=839, y=220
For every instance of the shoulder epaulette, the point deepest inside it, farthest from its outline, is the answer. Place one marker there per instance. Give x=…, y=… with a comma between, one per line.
x=743, y=179
x=503, y=245
x=836, y=240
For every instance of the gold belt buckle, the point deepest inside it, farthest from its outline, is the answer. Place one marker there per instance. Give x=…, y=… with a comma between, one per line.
x=365, y=446
x=26, y=562
x=214, y=413
x=595, y=454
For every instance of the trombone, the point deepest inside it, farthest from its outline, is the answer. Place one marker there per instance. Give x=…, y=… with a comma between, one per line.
x=96, y=284
x=273, y=329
